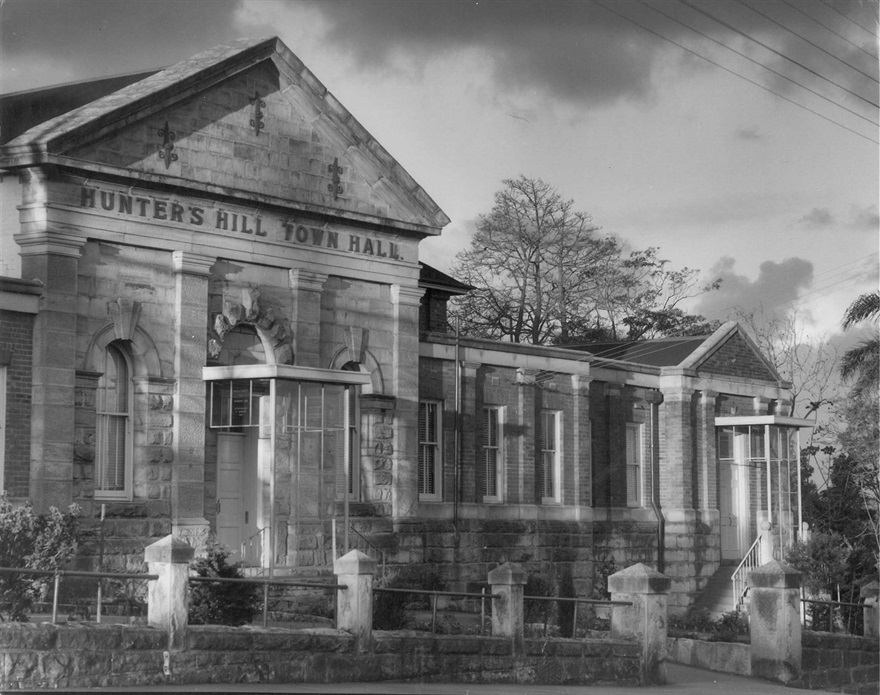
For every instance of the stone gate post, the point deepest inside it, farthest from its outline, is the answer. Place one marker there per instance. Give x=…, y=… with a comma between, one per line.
x=354, y=604
x=645, y=619
x=871, y=611
x=775, y=621
x=167, y=596
x=507, y=581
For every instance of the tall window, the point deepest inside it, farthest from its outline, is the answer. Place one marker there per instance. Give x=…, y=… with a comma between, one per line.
x=113, y=409
x=633, y=465
x=492, y=454
x=3, y=372
x=350, y=420
x=550, y=456
x=429, y=450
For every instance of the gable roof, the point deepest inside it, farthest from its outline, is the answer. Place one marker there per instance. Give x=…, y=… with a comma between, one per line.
x=432, y=278
x=368, y=184
x=658, y=352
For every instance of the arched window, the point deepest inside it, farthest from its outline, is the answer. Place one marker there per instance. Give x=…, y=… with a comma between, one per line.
x=113, y=441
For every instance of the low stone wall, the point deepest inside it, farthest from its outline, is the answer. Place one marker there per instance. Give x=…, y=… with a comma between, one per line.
x=840, y=663
x=725, y=657
x=91, y=655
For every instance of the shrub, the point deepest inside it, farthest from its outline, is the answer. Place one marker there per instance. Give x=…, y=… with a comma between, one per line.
x=220, y=603
x=389, y=608
x=536, y=610
x=34, y=541
x=697, y=623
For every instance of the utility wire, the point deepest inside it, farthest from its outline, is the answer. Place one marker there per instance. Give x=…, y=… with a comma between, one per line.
x=825, y=26
x=760, y=64
x=806, y=40
x=774, y=51
x=733, y=72
x=847, y=17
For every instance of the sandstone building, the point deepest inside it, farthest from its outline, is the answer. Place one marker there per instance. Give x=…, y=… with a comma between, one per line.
x=214, y=321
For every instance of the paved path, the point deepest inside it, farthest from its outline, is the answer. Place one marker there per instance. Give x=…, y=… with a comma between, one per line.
x=683, y=679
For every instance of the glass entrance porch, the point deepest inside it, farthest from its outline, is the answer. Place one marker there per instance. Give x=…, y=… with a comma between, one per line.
x=295, y=470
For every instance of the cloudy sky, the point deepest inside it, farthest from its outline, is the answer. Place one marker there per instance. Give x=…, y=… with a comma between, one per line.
x=739, y=136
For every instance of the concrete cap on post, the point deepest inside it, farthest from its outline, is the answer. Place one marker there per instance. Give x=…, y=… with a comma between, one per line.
x=354, y=562
x=507, y=575
x=870, y=590
x=775, y=575
x=639, y=579
x=169, y=549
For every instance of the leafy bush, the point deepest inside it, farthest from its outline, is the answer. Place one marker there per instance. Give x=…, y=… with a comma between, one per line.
x=699, y=624
x=389, y=608
x=822, y=560
x=220, y=603
x=537, y=611
x=33, y=541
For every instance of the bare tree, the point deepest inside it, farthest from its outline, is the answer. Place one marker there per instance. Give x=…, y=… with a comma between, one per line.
x=544, y=275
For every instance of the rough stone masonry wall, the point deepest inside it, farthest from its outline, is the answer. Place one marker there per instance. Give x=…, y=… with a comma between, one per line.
x=90, y=655
x=839, y=663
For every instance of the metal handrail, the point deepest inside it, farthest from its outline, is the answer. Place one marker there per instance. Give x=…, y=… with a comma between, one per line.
x=367, y=541
x=249, y=542
x=58, y=574
x=739, y=578
x=575, y=601
x=832, y=604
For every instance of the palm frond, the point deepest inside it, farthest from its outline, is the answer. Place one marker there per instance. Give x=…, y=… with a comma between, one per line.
x=867, y=306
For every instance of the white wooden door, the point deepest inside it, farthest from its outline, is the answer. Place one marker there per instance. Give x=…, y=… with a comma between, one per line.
x=728, y=508
x=230, y=491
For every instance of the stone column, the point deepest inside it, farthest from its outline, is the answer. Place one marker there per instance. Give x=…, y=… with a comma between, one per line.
x=50, y=255
x=775, y=622
x=871, y=611
x=305, y=319
x=354, y=604
x=190, y=405
x=645, y=619
x=167, y=596
x=507, y=582
x=707, y=460
x=405, y=378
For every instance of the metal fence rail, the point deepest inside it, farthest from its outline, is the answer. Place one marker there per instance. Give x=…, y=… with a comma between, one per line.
x=831, y=605
x=575, y=601
x=58, y=574
x=266, y=583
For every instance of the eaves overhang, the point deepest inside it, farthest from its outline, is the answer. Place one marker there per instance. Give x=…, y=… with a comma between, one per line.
x=780, y=420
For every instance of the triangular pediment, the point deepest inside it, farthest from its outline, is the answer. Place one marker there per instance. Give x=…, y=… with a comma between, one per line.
x=731, y=352
x=247, y=120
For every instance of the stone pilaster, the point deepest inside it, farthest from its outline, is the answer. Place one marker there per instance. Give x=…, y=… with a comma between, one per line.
x=52, y=257
x=581, y=454
x=615, y=476
x=190, y=407
x=405, y=378
x=677, y=452
x=471, y=406
x=307, y=287
x=707, y=463
x=528, y=466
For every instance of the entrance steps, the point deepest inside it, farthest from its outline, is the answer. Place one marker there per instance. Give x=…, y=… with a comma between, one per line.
x=717, y=596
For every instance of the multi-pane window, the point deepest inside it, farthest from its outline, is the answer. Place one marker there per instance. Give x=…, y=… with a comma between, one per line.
x=113, y=411
x=634, y=465
x=3, y=373
x=550, y=456
x=429, y=450
x=492, y=454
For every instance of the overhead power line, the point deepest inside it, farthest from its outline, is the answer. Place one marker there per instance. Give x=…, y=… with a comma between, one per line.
x=734, y=72
x=806, y=40
x=760, y=64
x=846, y=17
x=825, y=26
x=732, y=28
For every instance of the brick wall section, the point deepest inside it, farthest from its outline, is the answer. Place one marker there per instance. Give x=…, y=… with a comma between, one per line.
x=736, y=358
x=839, y=663
x=16, y=353
x=84, y=656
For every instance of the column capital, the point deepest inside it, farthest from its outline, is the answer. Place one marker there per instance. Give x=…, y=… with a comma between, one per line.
x=471, y=367
x=187, y=263
x=709, y=394
x=677, y=393
x=580, y=382
x=408, y=296
x=526, y=377
x=50, y=242
x=761, y=404
x=307, y=280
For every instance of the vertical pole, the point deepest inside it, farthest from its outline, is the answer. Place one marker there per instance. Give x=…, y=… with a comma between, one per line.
x=433, y=613
x=100, y=564
x=799, y=490
x=769, y=478
x=273, y=446
x=347, y=464
x=55, y=598
x=265, y=604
